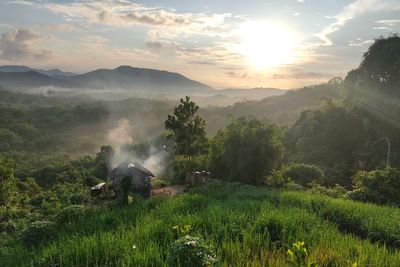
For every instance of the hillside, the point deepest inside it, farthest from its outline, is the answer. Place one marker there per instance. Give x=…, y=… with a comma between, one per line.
x=281, y=109
x=245, y=226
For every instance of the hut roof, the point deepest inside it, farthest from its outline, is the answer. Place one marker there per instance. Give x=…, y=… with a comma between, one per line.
x=128, y=167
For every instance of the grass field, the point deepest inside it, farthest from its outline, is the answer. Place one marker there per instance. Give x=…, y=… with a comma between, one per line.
x=245, y=225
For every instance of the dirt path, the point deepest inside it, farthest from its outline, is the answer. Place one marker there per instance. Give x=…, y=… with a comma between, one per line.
x=171, y=190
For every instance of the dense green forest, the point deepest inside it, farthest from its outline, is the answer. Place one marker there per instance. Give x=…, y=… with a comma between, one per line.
x=318, y=165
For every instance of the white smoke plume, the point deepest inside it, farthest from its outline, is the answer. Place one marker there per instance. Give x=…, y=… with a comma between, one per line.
x=124, y=134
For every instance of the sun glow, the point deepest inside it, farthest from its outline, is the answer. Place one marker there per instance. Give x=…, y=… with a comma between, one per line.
x=266, y=45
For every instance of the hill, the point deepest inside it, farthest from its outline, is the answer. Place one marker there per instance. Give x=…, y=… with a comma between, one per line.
x=52, y=72
x=32, y=79
x=122, y=78
x=281, y=109
x=244, y=226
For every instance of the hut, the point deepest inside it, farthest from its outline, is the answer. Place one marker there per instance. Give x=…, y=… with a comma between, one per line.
x=139, y=179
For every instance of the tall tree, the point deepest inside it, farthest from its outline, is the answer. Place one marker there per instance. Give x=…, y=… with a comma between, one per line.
x=380, y=67
x=187, y=129
x=246, y=151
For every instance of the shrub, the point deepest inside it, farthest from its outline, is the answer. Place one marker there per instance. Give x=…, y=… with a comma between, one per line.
x=378, y=186
x=38, y=233
x=191, y=251
x=276, y=180
x=303, y=174
x=8, y=227
x=69, y=214
x=337, y=191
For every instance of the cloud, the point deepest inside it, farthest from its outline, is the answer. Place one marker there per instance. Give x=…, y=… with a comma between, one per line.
x=360, y=42
x=387, y=24
x=126, y=14
x=355, y=9
x=62, y=27
x=17, y=44
x=236, y=75
x=20, y=2
x=297, y=73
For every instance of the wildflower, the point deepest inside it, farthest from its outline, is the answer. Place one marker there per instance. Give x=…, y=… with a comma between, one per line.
x=290, y=252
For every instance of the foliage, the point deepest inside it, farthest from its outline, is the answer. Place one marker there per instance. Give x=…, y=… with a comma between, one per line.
x=38, y=233
x=191, y=251
x=302, y=174
x=337, y=191
x=298, y=255
x=246, y=151
x=8, y=182
x=187, y=129
x=330, y=136
x=276, y=180
x=380, y=66
x=103, y=161
x=71, y=213
x=378, y=186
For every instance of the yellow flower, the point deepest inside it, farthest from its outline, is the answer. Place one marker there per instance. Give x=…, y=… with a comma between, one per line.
x=290, y=252
x=175, y=227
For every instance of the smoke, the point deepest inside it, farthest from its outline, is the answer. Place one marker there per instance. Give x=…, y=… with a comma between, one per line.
x=124, y=134
x=120, y=135
x=156, y=162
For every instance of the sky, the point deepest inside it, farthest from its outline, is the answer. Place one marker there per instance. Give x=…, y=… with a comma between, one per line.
x=223, y=43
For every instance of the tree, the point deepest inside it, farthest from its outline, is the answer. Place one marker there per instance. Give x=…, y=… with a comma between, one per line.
x=380, y=67
x=246, y=151
x=103, y=161
x=8, y=183
x=187, y=129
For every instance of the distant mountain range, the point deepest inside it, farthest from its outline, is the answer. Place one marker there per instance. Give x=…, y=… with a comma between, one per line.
x=121, y=78
x=52, y=72
x=126, y=78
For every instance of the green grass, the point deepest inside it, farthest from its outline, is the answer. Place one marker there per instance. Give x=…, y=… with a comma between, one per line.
x=246, y=226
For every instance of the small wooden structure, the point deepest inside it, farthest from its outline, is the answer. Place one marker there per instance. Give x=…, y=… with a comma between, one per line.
x=197, y=177
x=98, y=190
x=139, y=178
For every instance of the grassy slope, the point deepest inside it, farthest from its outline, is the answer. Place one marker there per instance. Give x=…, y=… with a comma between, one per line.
x=247, y=226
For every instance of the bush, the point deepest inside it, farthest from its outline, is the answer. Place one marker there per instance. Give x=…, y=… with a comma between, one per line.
x=378, y=186
x=191, y=251
x=69, y=214
x=337, y=191
x=303, y=174
x=246, y=151
x=8, y=227
x=38, y=233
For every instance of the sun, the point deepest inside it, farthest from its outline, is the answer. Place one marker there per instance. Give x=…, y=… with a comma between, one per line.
x=266, y=44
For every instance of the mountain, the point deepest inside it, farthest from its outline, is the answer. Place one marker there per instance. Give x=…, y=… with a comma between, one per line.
x=31, y=79
x=122, y=78
x=139, y=79
x=52, y=72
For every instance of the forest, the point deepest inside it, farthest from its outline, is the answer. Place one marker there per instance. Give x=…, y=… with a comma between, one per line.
x=306, y=178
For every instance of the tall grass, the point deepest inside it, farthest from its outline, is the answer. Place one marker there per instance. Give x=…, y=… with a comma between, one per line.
x=245, y=225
